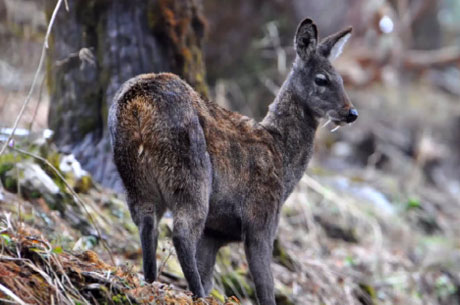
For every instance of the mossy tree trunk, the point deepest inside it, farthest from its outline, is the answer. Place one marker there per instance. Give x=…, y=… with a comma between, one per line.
x=95, y=47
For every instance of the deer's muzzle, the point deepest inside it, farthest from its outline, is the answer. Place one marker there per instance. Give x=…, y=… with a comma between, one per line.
x=352, y=115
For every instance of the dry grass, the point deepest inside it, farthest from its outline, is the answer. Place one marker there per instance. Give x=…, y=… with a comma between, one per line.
x=32, y=271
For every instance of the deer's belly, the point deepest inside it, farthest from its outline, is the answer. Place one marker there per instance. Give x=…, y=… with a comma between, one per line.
x=224, y=220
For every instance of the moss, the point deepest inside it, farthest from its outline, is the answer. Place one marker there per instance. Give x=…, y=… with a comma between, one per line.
x=216, y=294
x=10, y=184
x=193, y=69
x=120, y=299
x=8, y=178
x=53, y=158
x=9, y=158
x=84, y=184
x=367, y=294
x=34, y=194
x=235, y=282
x=224, y=256
x=5, y=167
x=130, y=227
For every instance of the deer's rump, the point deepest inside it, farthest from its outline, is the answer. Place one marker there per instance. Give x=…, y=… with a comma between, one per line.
x=158, y=143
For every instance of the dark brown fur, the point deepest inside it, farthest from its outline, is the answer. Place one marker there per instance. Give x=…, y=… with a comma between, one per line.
x=224, y=176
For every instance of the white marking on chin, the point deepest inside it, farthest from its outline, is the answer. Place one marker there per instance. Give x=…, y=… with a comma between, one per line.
x=335, y=128
x=327, y=123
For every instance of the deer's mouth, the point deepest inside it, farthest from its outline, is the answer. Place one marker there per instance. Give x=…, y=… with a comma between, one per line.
x=334, y=119
x=338, y=122
x=340, y=119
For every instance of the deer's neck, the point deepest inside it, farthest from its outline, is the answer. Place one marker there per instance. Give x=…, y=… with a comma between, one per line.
x=293, y=128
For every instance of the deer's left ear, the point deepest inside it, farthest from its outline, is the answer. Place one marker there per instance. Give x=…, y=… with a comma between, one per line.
x=332, y=46
x=306, y=39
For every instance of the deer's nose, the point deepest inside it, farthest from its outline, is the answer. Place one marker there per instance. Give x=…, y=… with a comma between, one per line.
x=352, y=115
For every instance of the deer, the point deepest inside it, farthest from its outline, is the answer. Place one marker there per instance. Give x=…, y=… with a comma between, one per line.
x=223, y=176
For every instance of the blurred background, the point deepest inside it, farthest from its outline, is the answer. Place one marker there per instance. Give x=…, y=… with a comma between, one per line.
x=377, y=219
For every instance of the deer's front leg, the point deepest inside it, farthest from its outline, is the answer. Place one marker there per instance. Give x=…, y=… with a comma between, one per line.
x=206, y=258
x=258, y=247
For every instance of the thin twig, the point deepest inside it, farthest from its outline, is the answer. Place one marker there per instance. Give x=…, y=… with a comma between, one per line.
x=69, y=285
x=75, y=196
x=163, y=263
x=9, y=293
x=37, y=72
x=36, y=106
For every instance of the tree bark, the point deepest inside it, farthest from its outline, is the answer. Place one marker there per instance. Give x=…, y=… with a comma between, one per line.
x=99, y=44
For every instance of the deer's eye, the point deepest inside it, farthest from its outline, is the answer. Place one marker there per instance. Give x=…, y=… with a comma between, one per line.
x=321, y=80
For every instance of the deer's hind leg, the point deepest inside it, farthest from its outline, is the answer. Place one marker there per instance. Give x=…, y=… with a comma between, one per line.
x=189, y=213
x=186, y=189
x=188, y=225
x=147, y=215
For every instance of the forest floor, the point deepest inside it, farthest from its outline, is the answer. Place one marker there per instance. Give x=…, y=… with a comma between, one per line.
x=375, y=221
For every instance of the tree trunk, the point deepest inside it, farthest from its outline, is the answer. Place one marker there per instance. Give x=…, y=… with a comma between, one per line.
x=99, y=44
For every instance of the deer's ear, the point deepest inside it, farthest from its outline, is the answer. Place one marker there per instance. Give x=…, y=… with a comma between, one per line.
x=332, y=46
x=306, y=38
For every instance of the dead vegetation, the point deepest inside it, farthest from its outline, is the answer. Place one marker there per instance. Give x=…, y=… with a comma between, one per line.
x=375, y=222
x=33, y=271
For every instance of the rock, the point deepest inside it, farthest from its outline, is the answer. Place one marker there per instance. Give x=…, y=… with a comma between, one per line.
x=69, y=164
x=34, y=178
x=37, y=138
x=33, y=181
x=75, y=175
x=366, y=193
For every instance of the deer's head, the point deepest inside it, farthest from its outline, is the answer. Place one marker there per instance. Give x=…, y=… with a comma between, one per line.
x=315, y=81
